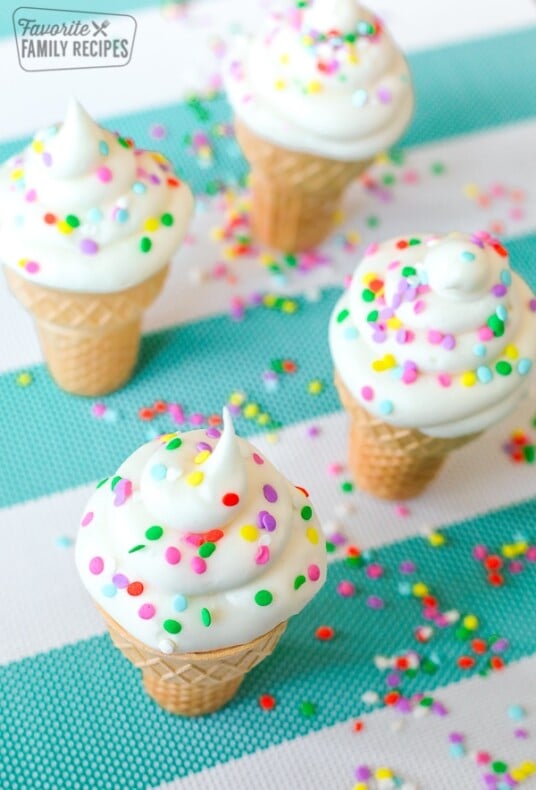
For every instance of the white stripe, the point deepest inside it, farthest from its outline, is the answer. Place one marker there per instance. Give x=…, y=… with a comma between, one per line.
x=418, y=752
x=434, y=203
x=174, y=57
x=39, y=577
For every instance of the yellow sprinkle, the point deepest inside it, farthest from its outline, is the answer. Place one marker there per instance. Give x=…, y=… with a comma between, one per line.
x=368, y=278
x=419, y=590
x=471, y=191
x=522, y=547
x=509, y=551
x=158, y=157
x=251, y=410
x=315, y=387
x=338, y=217
x=436, y=539
x=150, y=224
x=529, y=767
x=511, y=352
x=167, y=437
x=237, y=398
x=360, y=786
x=312, y=535
x=229, y=254
x=64, y=227
x=470, y=621
x=394, y=323
x=382, y=158
x=201, y=457
x=17, y=173
x=469, y=378
x=518, y=774
x=378, y=365
x=263, y=419
x=195, y=478
x=280, y=85
x=289, y=306
x=284, y=58
x=217, y=234
x=383, y=773
x=314, y=86
x=308, y=41
x=352, y=56
x=266, y=259
x=272, y=438
x=354, y=237
x=24, y=379
x=38, y=146
x=22, y=262
x=269, y=300
x=390, y=361
x=249, y=532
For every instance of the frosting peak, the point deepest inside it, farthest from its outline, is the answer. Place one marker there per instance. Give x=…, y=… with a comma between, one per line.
x=337, y=15
x=74, y=149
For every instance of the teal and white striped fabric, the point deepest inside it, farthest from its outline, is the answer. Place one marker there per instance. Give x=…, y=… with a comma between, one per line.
x=72, y=711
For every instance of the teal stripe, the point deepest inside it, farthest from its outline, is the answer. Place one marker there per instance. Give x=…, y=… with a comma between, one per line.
x=53, y=442
x=461, y=88
x=78, y=717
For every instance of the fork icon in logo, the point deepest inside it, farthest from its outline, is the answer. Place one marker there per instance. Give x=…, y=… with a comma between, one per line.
x=100, y=28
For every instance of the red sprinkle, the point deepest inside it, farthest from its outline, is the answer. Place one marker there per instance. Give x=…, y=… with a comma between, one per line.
x=496, y=579
x=303, y=490
x=267, y=702
x=160, y=406
x=230, y=499
x=391, y=698
x=402, y=244
x=49, y=218
x=173, y=182
x=213, y=535
x=358, y=726
x=479, y=646
x=466, y=662
x=496, y=662
x=146, y=413
x=325, y=633
x=135, y=588
x=493, y=562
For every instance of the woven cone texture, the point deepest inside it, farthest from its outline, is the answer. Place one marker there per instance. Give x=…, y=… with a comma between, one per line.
x=294, y=195
x=193, y=684
x=391, y=462
x=90, y=341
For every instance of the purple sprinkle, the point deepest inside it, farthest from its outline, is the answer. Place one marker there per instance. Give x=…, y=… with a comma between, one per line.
x=456, y=737
x=403, y=705
x=47, y=159
x=449, y=342
x=384, y=95
x=439, y=709
x=89, y=247
x=157, y=131
x=375, y=602
x=397, y=301
x=499, y=290
x=338, y=539
x=120, y=581
x=270, y=494
x=393, y=679
x=379, y=336
x=516, y=566
x=386, y=313
x=532, y=305
x=313, y=431
x=411, y=294
x=521, y=733
x=204, y=446
x=402, y=286
x=213, y=433
x=499, y=646
x=234, y=409
x=266, y=521
x=362, y=773
x=407, y=566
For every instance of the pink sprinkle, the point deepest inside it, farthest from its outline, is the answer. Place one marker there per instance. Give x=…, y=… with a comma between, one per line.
x=394, y=265
x=96, y=565
x=367, y=393
x=104, y=174
x=31, y=195
x=88, y=518
x=194, y=539
x=32, y=267
x=434, y=337
x=531, y=554
x=198, y=565
x=409, y=376
x=482, y=758
x=485, y=333
x=263, y=555
x=444, y=379
x=516, y=566
x=410, y=177
x=257, y=458
x=122, y=491
x=172, y=555
x=374, y=571
x=480, y=552
x=335, y=469
x=371, y=249
x=176, y=413
x=313, y=572
x=98, y=409
x=146, y=611
x=346, y=589
x=196, y=419
x=402, y=510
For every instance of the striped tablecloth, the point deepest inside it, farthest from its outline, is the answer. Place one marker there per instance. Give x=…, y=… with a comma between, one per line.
x=72, y=712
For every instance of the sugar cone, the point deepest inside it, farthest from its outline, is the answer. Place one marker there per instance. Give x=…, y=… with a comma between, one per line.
x=193, y=684
x=390, y=462
x=294, y=195
x=90, y=340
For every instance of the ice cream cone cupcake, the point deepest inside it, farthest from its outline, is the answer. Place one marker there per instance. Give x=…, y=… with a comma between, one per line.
x=196, y=552
x=432, y=344
x=316, y=98
x=88, y=225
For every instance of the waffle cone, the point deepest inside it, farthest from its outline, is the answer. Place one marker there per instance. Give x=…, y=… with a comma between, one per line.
x=193, y=684
x=391, y=462
x=90, y=341
x=294, y=195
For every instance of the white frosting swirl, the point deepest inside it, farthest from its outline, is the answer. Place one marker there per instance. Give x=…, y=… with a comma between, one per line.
x=436, y=333
x=326, y=80
x=81, y=209
x=199, y=543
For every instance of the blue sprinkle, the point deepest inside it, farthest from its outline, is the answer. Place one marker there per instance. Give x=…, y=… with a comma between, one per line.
x=139, y=188
x=484, y=374
x=94, y=215
x=179, y=603
x=110, y=415
x=158, y=471
x=63, y=542
x=456, y=750
x=502, y=312
x=109, y=590
x=19, y=220
x=404, y=588
x=121, y=215
x=359, y=97
x=350, y=333
x=506, y=277
x=479, y=350
x=523, y=366
x=396, y=373
x=104, y=148
x=467, y=256
x=386, y=407
x=516, y=713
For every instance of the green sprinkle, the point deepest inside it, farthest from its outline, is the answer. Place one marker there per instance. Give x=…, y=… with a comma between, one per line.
x=145, y=244
x=347, y=487
x=427, y=702
x=167, y=219
x=408, y=271
x=174, y=444
x=496, y=325
x=414, y=242
x=72, y=220
x=263, y=598
x=355, y=562
x=136, y=548
x=102, y=482
x=462, y=634
x=330, y=547
x=368, y=296
x=306, y=512
x=206, y=549
x=503, y=367
x=437, y=168
x=428, y=667
x=290, y=260
x=115, y=481
x=388, y=179
x=307, y=708
x=298, y=581
x=350, y=37
x=373, y=316
x=172, y=626
x=529, y=453
x=343, y=315
x=373, y=222
x=206, y=617
x=498, y=767
x=123, y=142
x=154, y=533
